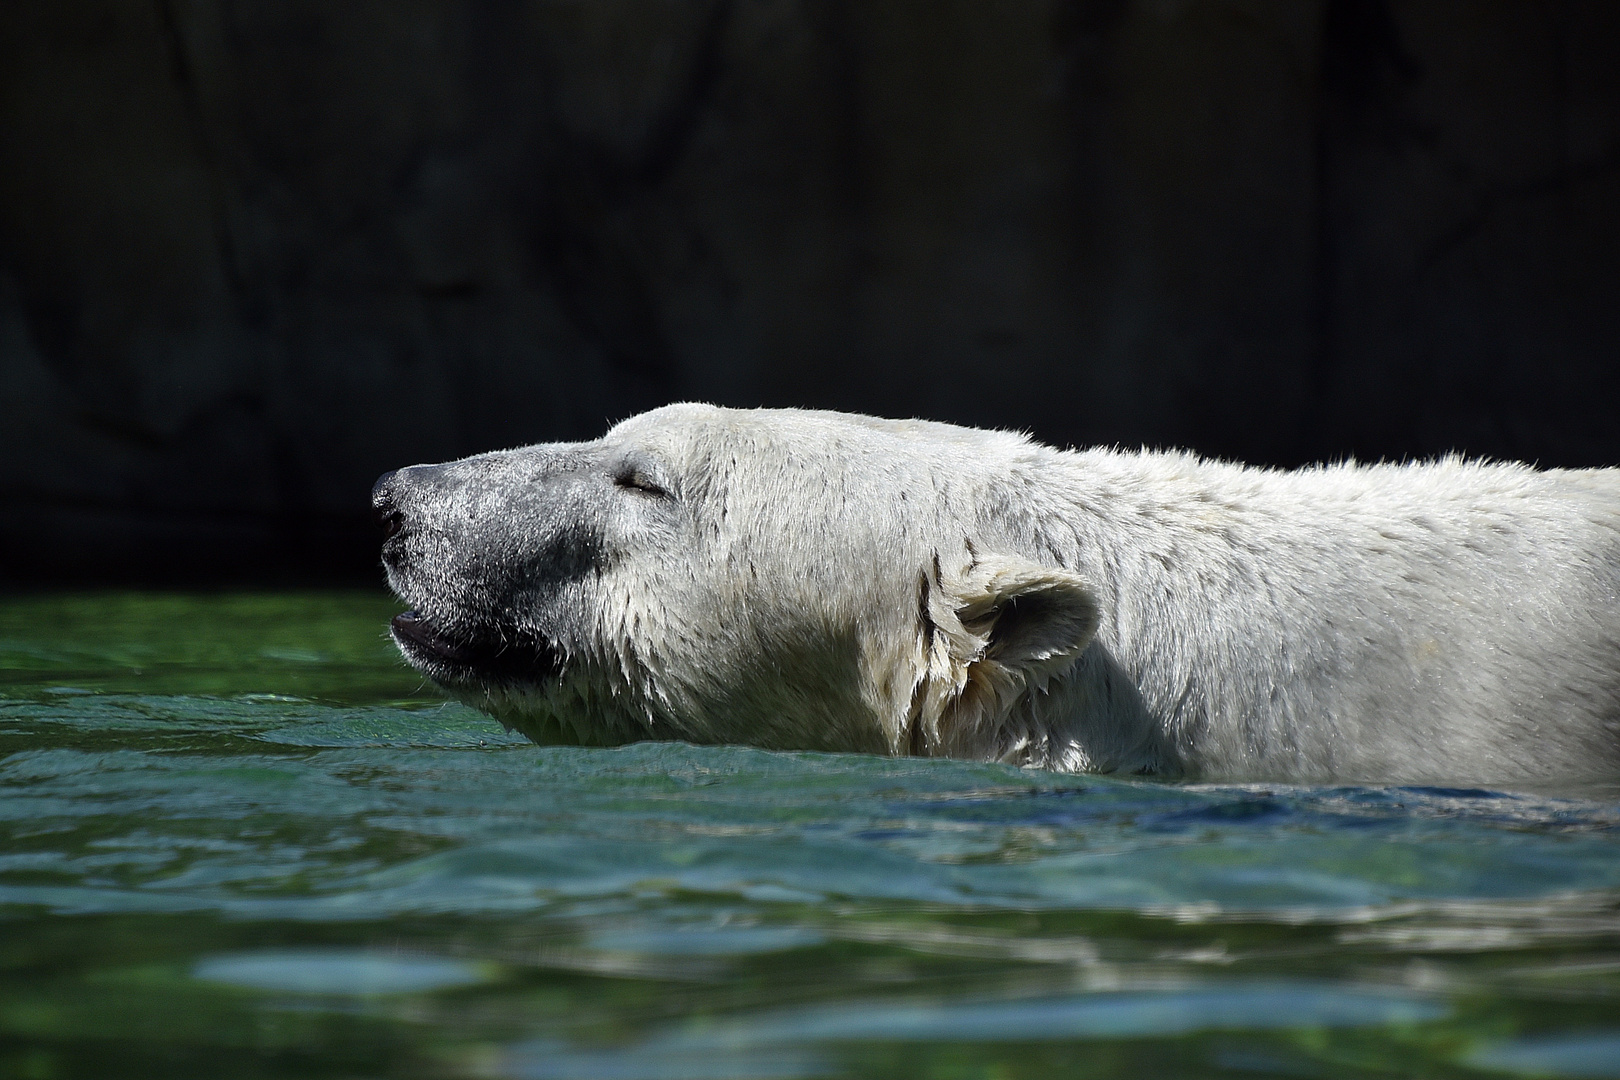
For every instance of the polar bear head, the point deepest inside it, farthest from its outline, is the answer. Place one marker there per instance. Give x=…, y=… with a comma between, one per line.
x=779, y=578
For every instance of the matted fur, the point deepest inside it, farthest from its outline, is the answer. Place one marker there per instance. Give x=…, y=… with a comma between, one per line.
x=812, y=580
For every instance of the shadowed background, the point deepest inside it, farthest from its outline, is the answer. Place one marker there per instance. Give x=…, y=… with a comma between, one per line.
x=253, y=254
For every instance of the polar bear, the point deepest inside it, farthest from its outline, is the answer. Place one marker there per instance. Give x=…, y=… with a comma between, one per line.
x=818, y=581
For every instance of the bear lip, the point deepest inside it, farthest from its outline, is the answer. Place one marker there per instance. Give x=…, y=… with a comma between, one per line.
x=413, y=628
x=446, y=659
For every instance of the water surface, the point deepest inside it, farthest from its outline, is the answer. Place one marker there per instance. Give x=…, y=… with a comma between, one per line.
x=239, y=839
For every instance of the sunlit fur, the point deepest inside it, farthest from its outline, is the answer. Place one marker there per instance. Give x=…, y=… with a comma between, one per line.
x=807, y=580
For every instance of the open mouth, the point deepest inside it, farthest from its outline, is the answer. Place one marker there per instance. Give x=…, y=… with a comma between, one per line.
x=520, y=658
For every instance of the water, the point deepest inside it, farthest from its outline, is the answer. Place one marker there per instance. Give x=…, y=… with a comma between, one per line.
x=238, y=839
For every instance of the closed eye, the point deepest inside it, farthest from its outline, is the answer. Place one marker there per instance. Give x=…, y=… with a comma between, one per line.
x=636, y=480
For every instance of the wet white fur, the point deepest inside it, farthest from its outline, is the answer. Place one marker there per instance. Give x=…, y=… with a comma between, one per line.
x=838, y=582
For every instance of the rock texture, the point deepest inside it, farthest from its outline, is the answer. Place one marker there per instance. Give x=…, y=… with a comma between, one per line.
x=252, y=254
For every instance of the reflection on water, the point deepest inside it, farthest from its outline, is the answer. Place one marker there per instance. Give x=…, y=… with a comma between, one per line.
x=337, y=971
x=786, y=1036
x=237, y=838
x=1591, y=1054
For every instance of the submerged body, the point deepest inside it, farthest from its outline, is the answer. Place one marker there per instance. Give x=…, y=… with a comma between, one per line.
x=802, y=580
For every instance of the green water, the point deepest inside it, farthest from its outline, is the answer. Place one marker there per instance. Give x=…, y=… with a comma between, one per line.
x=238, y=839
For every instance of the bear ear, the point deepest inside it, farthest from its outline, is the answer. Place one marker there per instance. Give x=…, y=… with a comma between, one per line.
x=1028, y=616
x=996, y=631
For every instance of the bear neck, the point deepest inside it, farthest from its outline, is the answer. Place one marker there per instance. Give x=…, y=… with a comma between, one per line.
x=1182, y=677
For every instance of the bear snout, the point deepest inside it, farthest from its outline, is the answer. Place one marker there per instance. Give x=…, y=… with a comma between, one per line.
x=384, y=511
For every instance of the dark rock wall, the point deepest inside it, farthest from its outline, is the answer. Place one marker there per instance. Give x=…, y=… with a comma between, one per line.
x=253, y=254
x=1470, y=229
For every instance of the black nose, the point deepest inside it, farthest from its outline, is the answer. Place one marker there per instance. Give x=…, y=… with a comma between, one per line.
x=383, y=510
